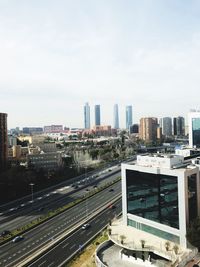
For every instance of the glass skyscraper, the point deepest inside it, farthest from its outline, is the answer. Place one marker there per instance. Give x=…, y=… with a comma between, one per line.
x=167, y=126
x=194, y=129
x=116, y=117
x=97, y=115
x=87, y=116
x=129, y=120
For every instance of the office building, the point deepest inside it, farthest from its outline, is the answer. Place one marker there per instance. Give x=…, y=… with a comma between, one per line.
x=97, y=115
x=129, y=119
x=148, y=129
x=167, y=126
x=116, y=117
x=87, y=116
x=160, y=198
x=134, y=129
x=32, y=130
x=179, y=126
x=194, y=129
x=3, y=141
x=53, y=129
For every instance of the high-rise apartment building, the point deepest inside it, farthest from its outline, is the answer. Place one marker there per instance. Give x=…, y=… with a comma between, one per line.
x=87, y=116
x=194, y=129
x=167, y=126
x=116, y=117
x=179, y=126
x=129, y=119
x=97, y=115
x=148, y=129
x=3, y=140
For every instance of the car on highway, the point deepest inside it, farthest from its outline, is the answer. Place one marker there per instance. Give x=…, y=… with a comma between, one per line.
x=85, y=226
x=111, y=190
x=17, y=238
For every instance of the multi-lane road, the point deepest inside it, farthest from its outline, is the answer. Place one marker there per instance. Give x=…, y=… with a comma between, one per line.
x=76, y=241
x=11, y=254
x=21, y=212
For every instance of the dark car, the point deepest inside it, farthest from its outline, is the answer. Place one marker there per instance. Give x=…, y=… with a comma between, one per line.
x=111, y=190
x=17, y=239
x=4, y=233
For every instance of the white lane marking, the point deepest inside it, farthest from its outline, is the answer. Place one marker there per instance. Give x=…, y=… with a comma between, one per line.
x=51, y=264
x=65, y=245
x=41, y=263
x=72, y=246
x=88, y=233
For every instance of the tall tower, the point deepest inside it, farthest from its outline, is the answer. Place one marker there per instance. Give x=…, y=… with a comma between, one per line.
x=116, y=117
x=167, y=126
x=129, y=120
x=87, y=116
x=179, y=126
x=97, y=115
x=3, y=140
x=194, y=129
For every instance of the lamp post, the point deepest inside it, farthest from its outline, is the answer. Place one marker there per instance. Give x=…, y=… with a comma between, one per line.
x=31, y=184
x=86, y=205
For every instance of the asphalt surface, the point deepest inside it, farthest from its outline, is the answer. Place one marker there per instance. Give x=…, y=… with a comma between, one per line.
x=12, y=253
x=24, y=212
x=74, y=243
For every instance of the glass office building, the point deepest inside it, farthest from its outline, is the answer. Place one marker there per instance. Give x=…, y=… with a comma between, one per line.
x=160, y=198
x=194, y=129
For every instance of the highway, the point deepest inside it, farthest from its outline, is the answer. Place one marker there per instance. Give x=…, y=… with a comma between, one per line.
x=24, y=212
x=13, y=253
x=75, y=242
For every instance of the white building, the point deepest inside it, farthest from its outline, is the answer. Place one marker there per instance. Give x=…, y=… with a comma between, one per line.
x=160, y=198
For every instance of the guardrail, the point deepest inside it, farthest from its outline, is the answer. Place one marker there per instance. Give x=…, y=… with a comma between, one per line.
x=25, y=228
x=57, y=240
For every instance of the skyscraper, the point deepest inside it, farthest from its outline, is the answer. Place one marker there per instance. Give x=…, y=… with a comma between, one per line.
x=87, y=116
x=129, y=120
x=179, y=126
x=3, y=140
x=116, y=117
x=97, y=115
x=167, y=126
x=194, y=129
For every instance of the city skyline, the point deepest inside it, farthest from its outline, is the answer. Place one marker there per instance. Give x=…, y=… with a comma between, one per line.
x=56, y=56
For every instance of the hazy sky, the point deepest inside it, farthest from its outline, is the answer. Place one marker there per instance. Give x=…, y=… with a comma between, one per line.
x=57, y=55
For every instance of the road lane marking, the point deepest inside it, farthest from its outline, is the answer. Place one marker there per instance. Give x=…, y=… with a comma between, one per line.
x=65, y=245
x=41, y=263
x=72, y=246
x=51, y=264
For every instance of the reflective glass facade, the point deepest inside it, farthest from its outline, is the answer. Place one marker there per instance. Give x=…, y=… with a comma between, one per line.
x=196, y=131
x=192, y=197
x=153, y=197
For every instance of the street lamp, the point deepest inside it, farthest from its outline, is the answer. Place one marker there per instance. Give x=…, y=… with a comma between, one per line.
x=86, y=204
x=31, y=184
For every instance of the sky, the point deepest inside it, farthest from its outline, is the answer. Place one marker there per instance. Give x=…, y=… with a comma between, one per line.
x=57, y=55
